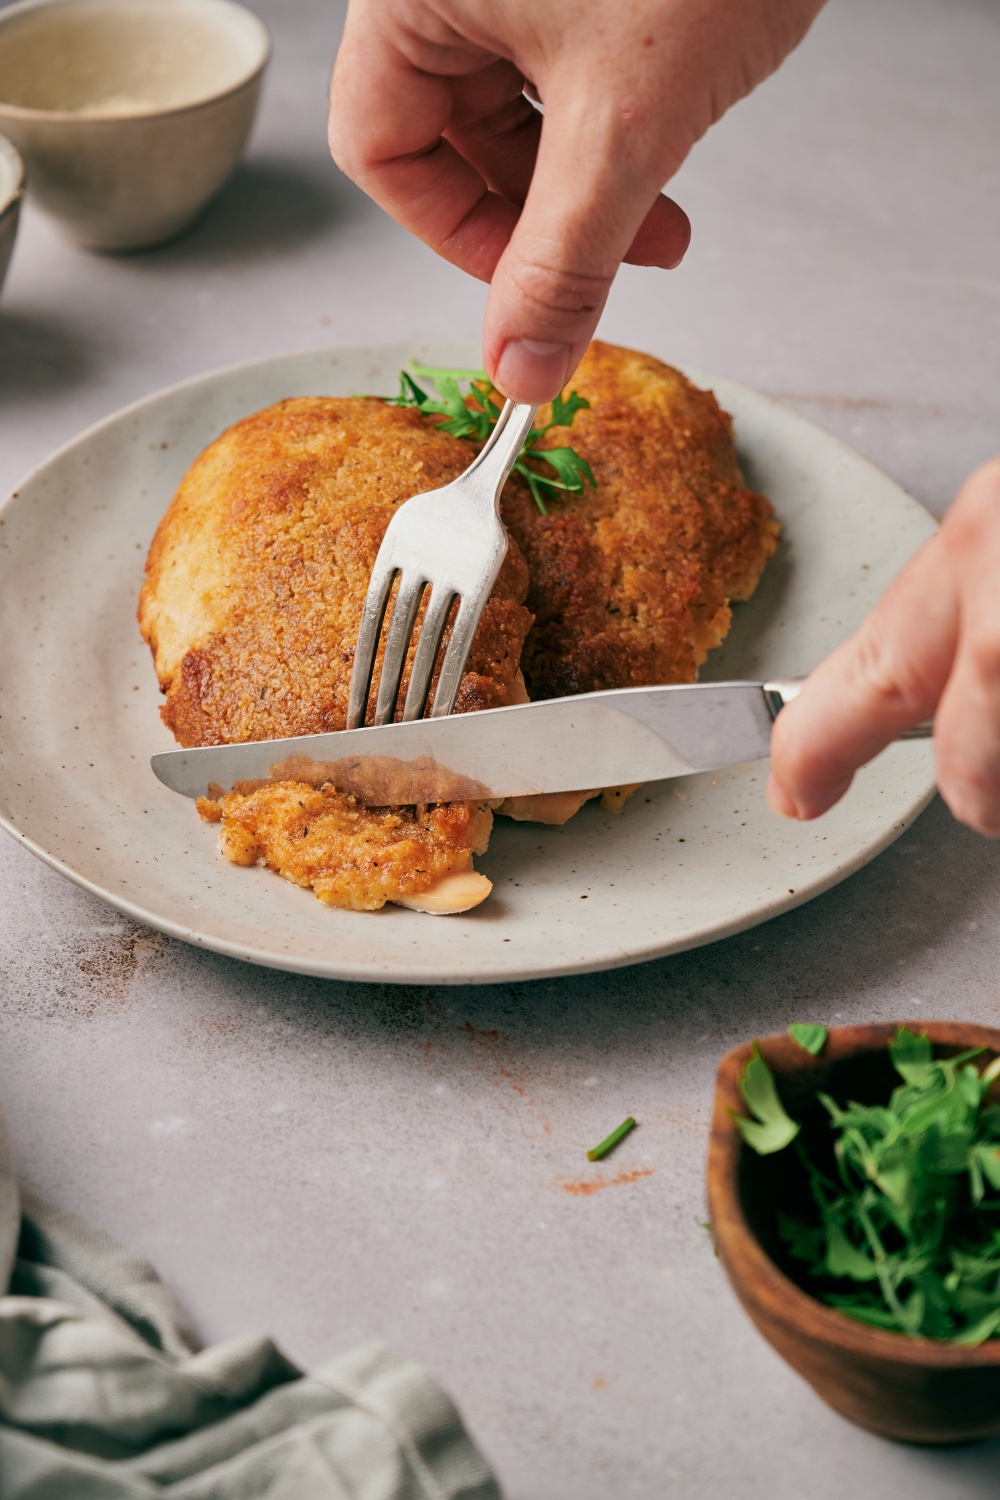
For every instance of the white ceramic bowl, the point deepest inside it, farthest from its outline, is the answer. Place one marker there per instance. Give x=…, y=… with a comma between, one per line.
x=130, y=114
x=11, y=190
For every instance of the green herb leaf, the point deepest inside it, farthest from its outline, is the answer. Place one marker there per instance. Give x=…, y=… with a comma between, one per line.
x=845, y=1259
x=988, y=1157
x=475, y=422
x=565, y=408
x=811, y=1038
x=571, y=468
x=875, y=1316
x=410, y=393
x=992, y=1071
x=805, y=1241
x=461, y=422
x=978, y=1332
x=911, y=1226
x=911, y=1055
x=771, y=1128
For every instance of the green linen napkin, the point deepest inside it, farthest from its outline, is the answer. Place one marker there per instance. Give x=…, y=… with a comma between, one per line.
x=105, y=1395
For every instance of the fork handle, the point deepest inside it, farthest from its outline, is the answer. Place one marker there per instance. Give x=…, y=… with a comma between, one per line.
x=498, y=454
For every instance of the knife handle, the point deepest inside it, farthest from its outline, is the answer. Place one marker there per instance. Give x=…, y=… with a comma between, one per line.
x=779, y=693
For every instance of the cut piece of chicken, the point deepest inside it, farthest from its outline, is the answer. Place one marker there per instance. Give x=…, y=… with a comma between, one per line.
x=354, y=856
x=450, y=895
x=556, y=808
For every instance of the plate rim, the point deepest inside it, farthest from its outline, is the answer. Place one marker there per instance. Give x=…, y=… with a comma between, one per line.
x=353, y=972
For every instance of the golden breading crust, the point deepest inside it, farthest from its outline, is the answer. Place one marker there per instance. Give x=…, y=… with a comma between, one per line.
x=630, y=582
x=251, y=606
x=352, y=856
x=258, y=570
x=257, y=573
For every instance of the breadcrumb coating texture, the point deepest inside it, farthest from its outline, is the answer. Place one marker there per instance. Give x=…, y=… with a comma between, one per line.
x=631, y=581
x=258, y=571
x=352, y=856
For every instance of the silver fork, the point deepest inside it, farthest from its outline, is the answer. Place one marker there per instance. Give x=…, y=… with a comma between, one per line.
x=449, y=540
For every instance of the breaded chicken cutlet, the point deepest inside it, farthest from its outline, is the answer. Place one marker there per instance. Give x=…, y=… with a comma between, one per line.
x=257, y=574
x=251, y=606
x=631, y=580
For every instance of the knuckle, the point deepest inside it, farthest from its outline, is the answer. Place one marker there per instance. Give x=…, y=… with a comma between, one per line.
x=983, y=655
x=496, y=124
x=559, y=289
x=895, y=685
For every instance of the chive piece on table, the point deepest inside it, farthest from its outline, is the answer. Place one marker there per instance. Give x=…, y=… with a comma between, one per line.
x=612, y=1140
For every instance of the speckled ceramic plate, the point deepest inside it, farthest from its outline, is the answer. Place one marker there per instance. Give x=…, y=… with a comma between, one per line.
x=685, y=862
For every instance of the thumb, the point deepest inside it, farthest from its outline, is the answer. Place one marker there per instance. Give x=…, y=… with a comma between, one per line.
x=591, y=192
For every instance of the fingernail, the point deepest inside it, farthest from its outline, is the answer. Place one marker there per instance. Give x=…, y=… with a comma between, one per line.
x=532, y=370
x=779, y=801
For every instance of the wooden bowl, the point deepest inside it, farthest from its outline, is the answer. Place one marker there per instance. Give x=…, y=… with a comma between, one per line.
x=913, y=1389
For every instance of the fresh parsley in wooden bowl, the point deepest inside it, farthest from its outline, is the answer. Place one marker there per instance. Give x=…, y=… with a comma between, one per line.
x=854, y=1192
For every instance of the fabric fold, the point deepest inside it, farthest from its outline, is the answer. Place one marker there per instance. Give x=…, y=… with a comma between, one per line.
x=105, y=1394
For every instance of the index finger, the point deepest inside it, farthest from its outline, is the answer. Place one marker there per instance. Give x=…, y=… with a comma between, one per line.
x=397, y=151
x=885, y=679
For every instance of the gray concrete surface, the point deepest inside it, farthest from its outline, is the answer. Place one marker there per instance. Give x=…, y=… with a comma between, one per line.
x=334, y=1162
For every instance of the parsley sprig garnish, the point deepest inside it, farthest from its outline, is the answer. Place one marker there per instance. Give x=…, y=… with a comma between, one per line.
x=905, y=1235
x=476, y=423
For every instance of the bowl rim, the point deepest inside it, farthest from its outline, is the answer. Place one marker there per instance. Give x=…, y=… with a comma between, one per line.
x=10, y=203
x=747, y=1263
x=20, y=112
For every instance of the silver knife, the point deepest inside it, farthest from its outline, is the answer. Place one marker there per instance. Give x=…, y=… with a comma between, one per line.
x=581, y=743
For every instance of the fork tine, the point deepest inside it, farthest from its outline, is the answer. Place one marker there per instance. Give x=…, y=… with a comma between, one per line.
x=466, y=622
x=431, y=631
x=404, y=613
x=453, y=532
x=372, y=615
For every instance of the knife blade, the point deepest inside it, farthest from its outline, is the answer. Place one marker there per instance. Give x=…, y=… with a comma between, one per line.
x=579, y=743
